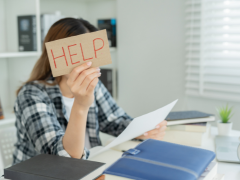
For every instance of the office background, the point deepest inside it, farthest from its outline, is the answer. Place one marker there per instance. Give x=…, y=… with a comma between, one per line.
x=150, y=57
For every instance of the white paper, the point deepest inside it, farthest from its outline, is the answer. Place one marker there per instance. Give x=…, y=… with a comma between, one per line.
x=138, y=126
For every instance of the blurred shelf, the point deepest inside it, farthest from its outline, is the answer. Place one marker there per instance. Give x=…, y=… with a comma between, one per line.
x=9, y=117
x=91, y=1
x=19, y=54
x=30, y=54
x=108, y=66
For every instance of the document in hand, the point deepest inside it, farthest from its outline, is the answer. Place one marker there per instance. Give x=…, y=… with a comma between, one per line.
x=137, y=127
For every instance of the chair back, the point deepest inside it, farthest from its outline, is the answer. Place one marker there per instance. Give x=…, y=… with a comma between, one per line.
x=7, y=140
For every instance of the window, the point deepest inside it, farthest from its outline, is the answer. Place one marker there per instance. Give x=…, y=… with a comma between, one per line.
x=213, y=49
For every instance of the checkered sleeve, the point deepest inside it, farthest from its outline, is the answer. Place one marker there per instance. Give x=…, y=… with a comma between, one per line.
x=39, y=120
x=112, y=119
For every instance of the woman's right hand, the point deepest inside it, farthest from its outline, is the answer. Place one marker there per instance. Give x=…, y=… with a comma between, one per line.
x=82, y=82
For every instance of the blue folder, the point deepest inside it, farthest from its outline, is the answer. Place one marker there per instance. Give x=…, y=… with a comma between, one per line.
x=153, y=159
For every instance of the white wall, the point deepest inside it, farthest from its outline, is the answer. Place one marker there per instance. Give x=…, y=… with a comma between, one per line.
x=19, y=71
x=150, y=54
x=69, y=8
x=15, y=68
x=101, y=10
x=11, y=13
x=3, y=62
x=4, y=79
x=2, y=24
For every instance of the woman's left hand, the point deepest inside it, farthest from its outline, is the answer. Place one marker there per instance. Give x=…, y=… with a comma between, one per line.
x=157, y=133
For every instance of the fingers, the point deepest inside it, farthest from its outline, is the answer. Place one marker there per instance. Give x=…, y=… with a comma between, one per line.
x=84, y=74
x=92, y=86
x=152, y=132
x=163, y=123
x=158, y=136
x=76, y=71
x=156, y=133
x=87, y=81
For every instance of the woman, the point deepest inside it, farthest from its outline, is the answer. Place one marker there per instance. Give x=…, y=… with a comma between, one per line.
x=63, y=115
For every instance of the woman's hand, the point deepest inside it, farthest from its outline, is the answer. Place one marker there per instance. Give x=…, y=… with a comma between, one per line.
x=157, y=133
x=82, y=81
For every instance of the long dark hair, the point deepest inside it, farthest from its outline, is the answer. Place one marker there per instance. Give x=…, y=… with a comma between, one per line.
x=61, y=29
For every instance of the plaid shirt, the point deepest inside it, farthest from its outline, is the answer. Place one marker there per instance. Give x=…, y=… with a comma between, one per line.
x=41, y=120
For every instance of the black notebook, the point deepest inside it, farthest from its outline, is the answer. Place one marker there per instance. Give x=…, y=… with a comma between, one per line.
x=184, y=117
x=52, y=167
x=27, y=40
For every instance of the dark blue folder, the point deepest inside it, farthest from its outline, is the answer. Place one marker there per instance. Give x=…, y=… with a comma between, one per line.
x=153, y=159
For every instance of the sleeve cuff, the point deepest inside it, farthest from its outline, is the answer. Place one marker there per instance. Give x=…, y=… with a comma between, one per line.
x=86, y=153
x=62, y=152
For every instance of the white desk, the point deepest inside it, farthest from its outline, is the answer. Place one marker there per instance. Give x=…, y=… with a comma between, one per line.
x=231, y=170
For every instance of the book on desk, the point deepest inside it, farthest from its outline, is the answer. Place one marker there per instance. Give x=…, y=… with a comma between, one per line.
x=186, y=117
x=49, y=167
x=188, y=127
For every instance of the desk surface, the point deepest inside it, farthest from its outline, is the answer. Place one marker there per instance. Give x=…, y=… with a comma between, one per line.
x=231, y=170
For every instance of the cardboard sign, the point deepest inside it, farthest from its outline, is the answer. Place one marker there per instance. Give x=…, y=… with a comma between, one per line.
x=65, y=54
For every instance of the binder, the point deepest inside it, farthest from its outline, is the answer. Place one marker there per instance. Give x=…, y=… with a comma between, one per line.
x=153, y=159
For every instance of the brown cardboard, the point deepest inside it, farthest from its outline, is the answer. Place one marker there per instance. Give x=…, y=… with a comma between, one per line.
x=65, y=54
